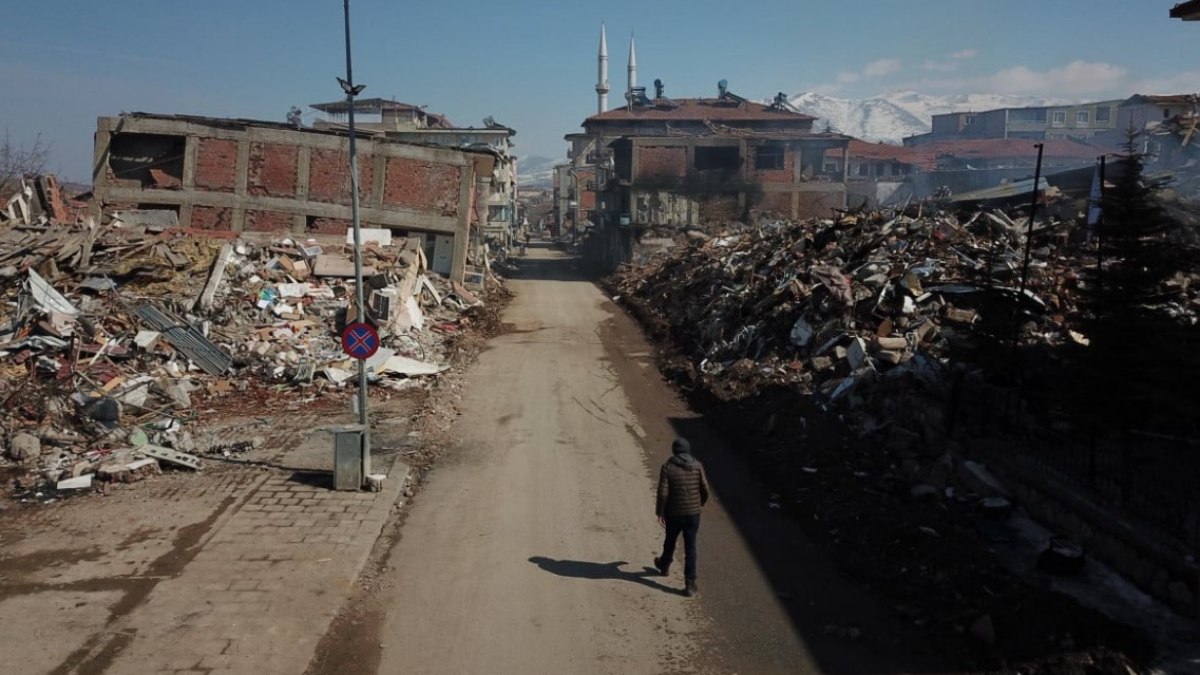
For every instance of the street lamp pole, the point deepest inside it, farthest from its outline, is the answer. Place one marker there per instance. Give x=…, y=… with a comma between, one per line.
x=361, y=314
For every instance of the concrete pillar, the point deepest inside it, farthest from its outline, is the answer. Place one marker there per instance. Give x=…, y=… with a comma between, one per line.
x=303, y=160
x=190, y=147
x=377, y=181
x=458, y=264
x=99, y=171
x=241, y=178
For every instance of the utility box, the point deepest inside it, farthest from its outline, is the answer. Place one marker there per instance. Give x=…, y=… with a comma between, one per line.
x=349, y=457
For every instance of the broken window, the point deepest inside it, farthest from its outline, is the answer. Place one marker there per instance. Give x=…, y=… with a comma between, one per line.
x=861, y=169
x=153, y=160
x=968, y=120
x=708, y=158
x=770, y=156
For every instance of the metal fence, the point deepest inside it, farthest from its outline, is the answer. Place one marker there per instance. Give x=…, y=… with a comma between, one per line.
x=1155, y=478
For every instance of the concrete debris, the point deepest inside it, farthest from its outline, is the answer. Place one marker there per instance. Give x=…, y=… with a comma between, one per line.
x=134, y=324
x=839, y=300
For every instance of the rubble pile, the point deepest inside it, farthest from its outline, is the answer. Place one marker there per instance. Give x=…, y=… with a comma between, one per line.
x=877, y=316
x=113, y=336
x=830, y=306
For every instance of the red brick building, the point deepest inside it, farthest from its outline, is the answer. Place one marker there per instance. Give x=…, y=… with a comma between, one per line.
x=701, y=161
x=260, y=177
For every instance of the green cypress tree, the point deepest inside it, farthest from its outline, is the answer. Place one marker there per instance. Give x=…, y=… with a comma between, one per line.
x=1130, y=372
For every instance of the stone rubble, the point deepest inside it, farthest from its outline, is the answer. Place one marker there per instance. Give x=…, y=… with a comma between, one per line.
x=114, y=335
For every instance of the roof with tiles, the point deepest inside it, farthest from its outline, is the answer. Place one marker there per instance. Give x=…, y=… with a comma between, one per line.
x=927, y=156
x=700, y=110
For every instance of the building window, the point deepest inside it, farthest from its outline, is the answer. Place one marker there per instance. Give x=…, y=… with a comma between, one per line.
x=717, y=158
x=861, y=169
x=770, y=156
x=1059, y=119
x=968, y=120
x=1082, y=118
x=1102, y=114
x=831, y=167
x=1166, y=113
x=1031, y=115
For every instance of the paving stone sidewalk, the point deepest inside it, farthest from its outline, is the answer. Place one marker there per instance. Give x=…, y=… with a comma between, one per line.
x=263, y=587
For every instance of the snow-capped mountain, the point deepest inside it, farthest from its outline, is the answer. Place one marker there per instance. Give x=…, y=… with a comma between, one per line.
x=536, y=171
x=891, y=117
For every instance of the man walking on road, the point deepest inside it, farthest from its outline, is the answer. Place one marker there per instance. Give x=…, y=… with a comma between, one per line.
x=682, y=491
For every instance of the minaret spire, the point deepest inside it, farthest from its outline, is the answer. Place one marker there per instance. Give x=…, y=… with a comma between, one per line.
x=602, y=78
x=632, y=70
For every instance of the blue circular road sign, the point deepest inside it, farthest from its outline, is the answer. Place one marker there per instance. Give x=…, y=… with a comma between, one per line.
x=360, y=340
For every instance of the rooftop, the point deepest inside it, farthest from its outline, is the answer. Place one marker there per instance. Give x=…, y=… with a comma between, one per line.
x=701, y=109
x=241, y=124
x=926, y=156
x=363, y=105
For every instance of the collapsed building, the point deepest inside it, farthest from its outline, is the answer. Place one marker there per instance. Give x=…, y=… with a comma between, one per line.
x=247, y=176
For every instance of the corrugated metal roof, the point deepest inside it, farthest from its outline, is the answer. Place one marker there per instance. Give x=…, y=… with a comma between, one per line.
x=187, y=339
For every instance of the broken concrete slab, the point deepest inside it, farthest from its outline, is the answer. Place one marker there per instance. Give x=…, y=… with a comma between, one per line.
x=171, y=456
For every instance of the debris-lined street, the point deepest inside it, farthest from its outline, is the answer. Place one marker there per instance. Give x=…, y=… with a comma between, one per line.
x=311, y=379
x=534, y=537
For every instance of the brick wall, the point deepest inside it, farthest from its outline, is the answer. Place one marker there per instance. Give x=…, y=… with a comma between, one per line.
x=329, y=226
x=272, y=169
x=719, y=209
x=775, y=204
x=661, y=162
x=329, y=176
x=211, y=218
x=267, y=221
x=216, y=164
x=422, y=185
x=818, y=205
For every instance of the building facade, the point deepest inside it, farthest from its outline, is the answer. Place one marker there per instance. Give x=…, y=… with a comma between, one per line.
x=1081, y=121
x=703, y=161
x=250, y=177
x=412, y=124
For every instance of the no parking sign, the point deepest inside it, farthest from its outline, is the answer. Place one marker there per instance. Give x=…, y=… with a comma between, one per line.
x=360, y=340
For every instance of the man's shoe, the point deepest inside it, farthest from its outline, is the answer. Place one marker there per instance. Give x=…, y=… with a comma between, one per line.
x=690, y=589
x=663, y=566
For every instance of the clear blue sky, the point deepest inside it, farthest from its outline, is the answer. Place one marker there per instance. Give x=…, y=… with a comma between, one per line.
x=532, y=65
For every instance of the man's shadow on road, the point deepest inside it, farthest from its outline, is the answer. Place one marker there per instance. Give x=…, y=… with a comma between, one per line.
x=581, y=569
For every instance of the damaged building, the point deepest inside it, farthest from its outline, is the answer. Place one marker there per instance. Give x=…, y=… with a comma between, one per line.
x=879, y=173
x=694, y=162
x=399, y=121
x=249, y=176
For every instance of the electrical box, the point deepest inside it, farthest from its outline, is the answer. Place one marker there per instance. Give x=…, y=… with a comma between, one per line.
x=349, y=451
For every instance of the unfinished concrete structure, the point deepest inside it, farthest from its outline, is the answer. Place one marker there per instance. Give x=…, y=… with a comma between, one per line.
x=413, y=124
x=250, y=176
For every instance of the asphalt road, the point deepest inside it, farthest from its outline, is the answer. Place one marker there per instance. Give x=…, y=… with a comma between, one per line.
x=530, y=547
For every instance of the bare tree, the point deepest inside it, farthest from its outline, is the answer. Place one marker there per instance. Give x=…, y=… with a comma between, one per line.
x=18, y=161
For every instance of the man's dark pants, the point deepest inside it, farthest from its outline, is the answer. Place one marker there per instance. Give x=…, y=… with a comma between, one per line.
x=688, y=526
